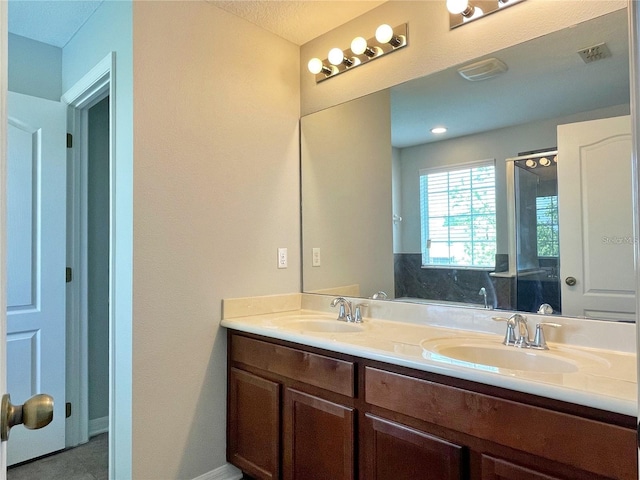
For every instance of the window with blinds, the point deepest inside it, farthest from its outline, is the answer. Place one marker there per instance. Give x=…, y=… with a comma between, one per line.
x=547, y=216
x=458, y=215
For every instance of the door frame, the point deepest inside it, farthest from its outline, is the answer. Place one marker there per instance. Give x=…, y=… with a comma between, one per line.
x=634, y=89
x=93, y=87
x=4, y=41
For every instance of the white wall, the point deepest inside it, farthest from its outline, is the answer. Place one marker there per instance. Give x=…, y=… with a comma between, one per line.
x=110, y=29
x=216, y=192
x=35, y=68
x=496, y=144
x=432, y=46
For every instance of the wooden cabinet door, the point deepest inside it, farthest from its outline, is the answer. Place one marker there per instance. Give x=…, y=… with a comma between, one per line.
x=253, y=429
x=393, y=451
x=496, y=469
x=318, y=438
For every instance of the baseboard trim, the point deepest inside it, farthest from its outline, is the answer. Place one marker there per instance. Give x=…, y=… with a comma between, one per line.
x=225, y=472
x=98, y=426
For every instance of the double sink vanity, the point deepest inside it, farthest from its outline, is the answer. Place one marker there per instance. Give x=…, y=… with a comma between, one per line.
x=422, y=391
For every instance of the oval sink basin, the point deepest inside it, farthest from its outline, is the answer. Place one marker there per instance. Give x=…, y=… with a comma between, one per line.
x=324, y=326
x=494, y=357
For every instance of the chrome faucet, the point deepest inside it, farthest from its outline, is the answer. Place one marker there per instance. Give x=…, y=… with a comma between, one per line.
x=523, y=331
x=344, y=313
x=522, y=339
x=483, y=292
x=510, y=335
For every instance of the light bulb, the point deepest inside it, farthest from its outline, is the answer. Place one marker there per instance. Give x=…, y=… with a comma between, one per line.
x=384, y=33
x=531, y=163
x=358, y=45
x=315, y=65
x=456, y=7
x=545, y=162
x=336, y=56
x=438, y=130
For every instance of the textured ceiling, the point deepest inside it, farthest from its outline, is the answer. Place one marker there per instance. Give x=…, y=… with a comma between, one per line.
x=47, y=21
x=297, y=21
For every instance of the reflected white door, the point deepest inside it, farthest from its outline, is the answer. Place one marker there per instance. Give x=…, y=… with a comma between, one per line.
x=36, y=253
x=595, y=211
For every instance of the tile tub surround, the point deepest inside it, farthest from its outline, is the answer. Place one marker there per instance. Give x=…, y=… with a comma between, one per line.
x=393, y=332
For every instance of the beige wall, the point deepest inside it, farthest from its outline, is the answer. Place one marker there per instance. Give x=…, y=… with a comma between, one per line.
x=216, y=192
x=346, y=180
x=432, y=46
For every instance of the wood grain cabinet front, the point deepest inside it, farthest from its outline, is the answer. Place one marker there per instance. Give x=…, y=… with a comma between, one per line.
x=301, y=413
x=253, y=425
x=318, y=438
x=497, y=469
x=393, y=451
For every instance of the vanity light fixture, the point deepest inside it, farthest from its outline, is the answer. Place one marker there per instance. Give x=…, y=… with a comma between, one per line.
x=385, y=40
x=535, y=160
x=464, y=11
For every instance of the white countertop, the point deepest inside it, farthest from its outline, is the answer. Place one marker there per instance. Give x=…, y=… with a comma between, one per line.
x=605, y=379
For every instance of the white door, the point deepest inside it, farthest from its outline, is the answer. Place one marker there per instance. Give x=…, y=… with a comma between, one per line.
x=36, y=253
x=595, y=214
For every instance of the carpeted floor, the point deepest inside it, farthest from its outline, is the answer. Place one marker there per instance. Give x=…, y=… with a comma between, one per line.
x=86, y=462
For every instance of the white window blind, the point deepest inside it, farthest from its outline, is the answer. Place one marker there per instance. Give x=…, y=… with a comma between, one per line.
x=547, y=216
x=458, y=215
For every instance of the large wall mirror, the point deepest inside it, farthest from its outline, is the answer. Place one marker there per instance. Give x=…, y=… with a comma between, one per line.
x=525, y=200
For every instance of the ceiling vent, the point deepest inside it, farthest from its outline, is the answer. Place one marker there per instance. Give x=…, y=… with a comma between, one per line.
x=483, y=70
x=597, y=52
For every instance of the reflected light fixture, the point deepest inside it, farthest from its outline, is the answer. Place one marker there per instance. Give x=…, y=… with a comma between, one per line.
x=385, y=40
x=464, y=11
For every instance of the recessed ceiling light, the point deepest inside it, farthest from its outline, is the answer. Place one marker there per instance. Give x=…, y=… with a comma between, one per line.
x=438, y=130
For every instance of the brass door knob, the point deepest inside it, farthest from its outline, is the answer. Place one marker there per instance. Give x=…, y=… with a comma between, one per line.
x=37, y=412
x=571, y=281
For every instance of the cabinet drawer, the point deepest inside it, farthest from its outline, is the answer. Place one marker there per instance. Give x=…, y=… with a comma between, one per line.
x=325, y=372
x=545, y=433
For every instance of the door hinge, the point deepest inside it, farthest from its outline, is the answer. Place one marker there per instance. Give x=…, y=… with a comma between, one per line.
x=68, y=409
x=68, y=274
x=69, y=140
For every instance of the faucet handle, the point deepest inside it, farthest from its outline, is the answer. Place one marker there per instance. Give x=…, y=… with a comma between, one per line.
x=357, y=316
x=510, y=335
x=539, y=342
x=510, y=321
x=545, y=309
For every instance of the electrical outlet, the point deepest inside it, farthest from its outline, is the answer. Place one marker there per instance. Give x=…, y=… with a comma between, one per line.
x=315, y=262
x=282, y=258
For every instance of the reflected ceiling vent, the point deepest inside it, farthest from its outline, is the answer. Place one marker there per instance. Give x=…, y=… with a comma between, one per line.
x=597, y=52
x=483, y=70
